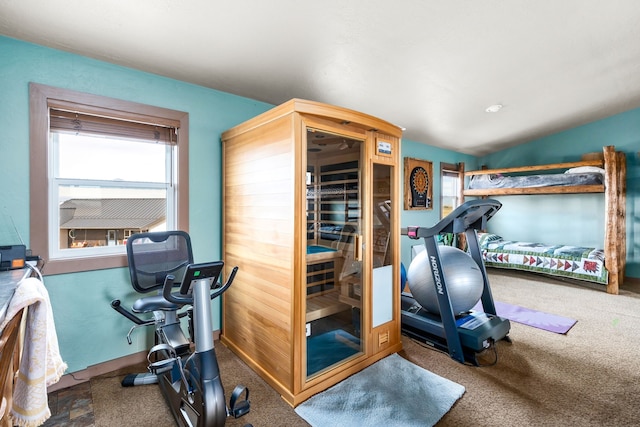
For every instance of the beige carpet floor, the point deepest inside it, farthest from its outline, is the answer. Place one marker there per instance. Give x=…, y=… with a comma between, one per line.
x=589, y=377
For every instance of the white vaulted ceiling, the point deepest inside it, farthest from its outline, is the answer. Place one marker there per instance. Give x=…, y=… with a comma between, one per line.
x=430, y=66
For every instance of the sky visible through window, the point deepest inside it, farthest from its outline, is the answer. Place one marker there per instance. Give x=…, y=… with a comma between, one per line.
x=87, y=157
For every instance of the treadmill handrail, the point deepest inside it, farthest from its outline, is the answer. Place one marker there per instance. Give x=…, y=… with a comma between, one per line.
x=471, y=214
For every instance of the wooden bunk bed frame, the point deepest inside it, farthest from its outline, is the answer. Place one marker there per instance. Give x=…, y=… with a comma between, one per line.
x=614, y=189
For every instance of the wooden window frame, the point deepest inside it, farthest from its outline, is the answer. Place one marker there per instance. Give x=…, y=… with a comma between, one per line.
x=459, y=169
x=41, y=99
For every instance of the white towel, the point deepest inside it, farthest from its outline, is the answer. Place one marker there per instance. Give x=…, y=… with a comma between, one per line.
x=41, y=364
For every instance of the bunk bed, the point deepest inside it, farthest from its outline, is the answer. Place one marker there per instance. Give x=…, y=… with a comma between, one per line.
x=595, y=174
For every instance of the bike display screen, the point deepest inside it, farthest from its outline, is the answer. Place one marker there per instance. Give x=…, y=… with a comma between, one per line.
x=209, y=271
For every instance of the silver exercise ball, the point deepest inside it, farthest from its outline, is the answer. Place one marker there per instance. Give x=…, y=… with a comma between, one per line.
x=462, y=275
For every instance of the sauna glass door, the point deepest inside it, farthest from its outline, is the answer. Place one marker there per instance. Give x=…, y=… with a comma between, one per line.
x=382, y=277
x=334, y=251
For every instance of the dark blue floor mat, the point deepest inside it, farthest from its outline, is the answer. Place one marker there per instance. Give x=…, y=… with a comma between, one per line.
x=328, y=348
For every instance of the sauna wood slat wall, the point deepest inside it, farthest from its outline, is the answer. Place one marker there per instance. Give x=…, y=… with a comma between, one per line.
x=258, y=237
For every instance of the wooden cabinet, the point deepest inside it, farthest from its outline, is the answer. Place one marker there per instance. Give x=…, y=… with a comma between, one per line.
x=311, y=217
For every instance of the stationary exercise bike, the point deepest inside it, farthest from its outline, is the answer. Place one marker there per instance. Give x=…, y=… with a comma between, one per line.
x=186, y=370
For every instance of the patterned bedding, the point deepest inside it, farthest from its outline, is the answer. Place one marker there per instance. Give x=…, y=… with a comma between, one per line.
x=558, y=260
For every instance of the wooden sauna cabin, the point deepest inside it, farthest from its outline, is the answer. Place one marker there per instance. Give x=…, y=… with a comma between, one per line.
x=311, y=210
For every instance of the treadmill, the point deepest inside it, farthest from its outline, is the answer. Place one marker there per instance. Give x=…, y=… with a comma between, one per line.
x=463, y=335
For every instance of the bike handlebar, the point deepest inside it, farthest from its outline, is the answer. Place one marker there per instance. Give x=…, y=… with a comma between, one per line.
x=116, y=305
x=182, y=299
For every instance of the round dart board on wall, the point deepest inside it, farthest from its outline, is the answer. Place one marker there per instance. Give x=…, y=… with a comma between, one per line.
x=418, y=184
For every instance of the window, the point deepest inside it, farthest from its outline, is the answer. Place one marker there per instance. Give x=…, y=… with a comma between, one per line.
x=101, y=170
x=451, y=179
x=106, y=177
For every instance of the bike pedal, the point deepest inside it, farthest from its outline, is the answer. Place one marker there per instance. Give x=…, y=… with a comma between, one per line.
x=161, y=366
x=239, y=408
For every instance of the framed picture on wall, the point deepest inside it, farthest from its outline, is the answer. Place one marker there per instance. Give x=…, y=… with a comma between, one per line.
x=418, y=184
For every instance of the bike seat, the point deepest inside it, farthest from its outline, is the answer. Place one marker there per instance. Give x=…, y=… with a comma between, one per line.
x=153, y=303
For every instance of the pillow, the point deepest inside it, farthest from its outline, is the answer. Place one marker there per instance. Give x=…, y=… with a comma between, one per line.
x=486, y=238
x=490, y=237
x=586, y=169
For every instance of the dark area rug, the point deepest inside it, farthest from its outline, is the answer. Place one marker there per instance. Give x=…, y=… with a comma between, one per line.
x=329, y=348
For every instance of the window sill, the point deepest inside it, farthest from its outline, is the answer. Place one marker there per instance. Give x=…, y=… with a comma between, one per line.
x=75, y=265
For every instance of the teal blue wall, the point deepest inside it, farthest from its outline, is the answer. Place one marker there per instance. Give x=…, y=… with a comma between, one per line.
x=427, y=218
x=89, y=331
x=580, y=217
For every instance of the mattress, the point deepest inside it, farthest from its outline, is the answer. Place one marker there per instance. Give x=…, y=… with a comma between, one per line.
x=576, y=262
x=575, y=176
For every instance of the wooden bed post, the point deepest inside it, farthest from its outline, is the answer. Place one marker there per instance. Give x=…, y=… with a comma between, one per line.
x=615, y=236
x=622, y=214
x=462, y=238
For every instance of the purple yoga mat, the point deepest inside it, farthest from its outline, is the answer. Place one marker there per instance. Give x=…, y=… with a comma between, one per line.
x=537, y=319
